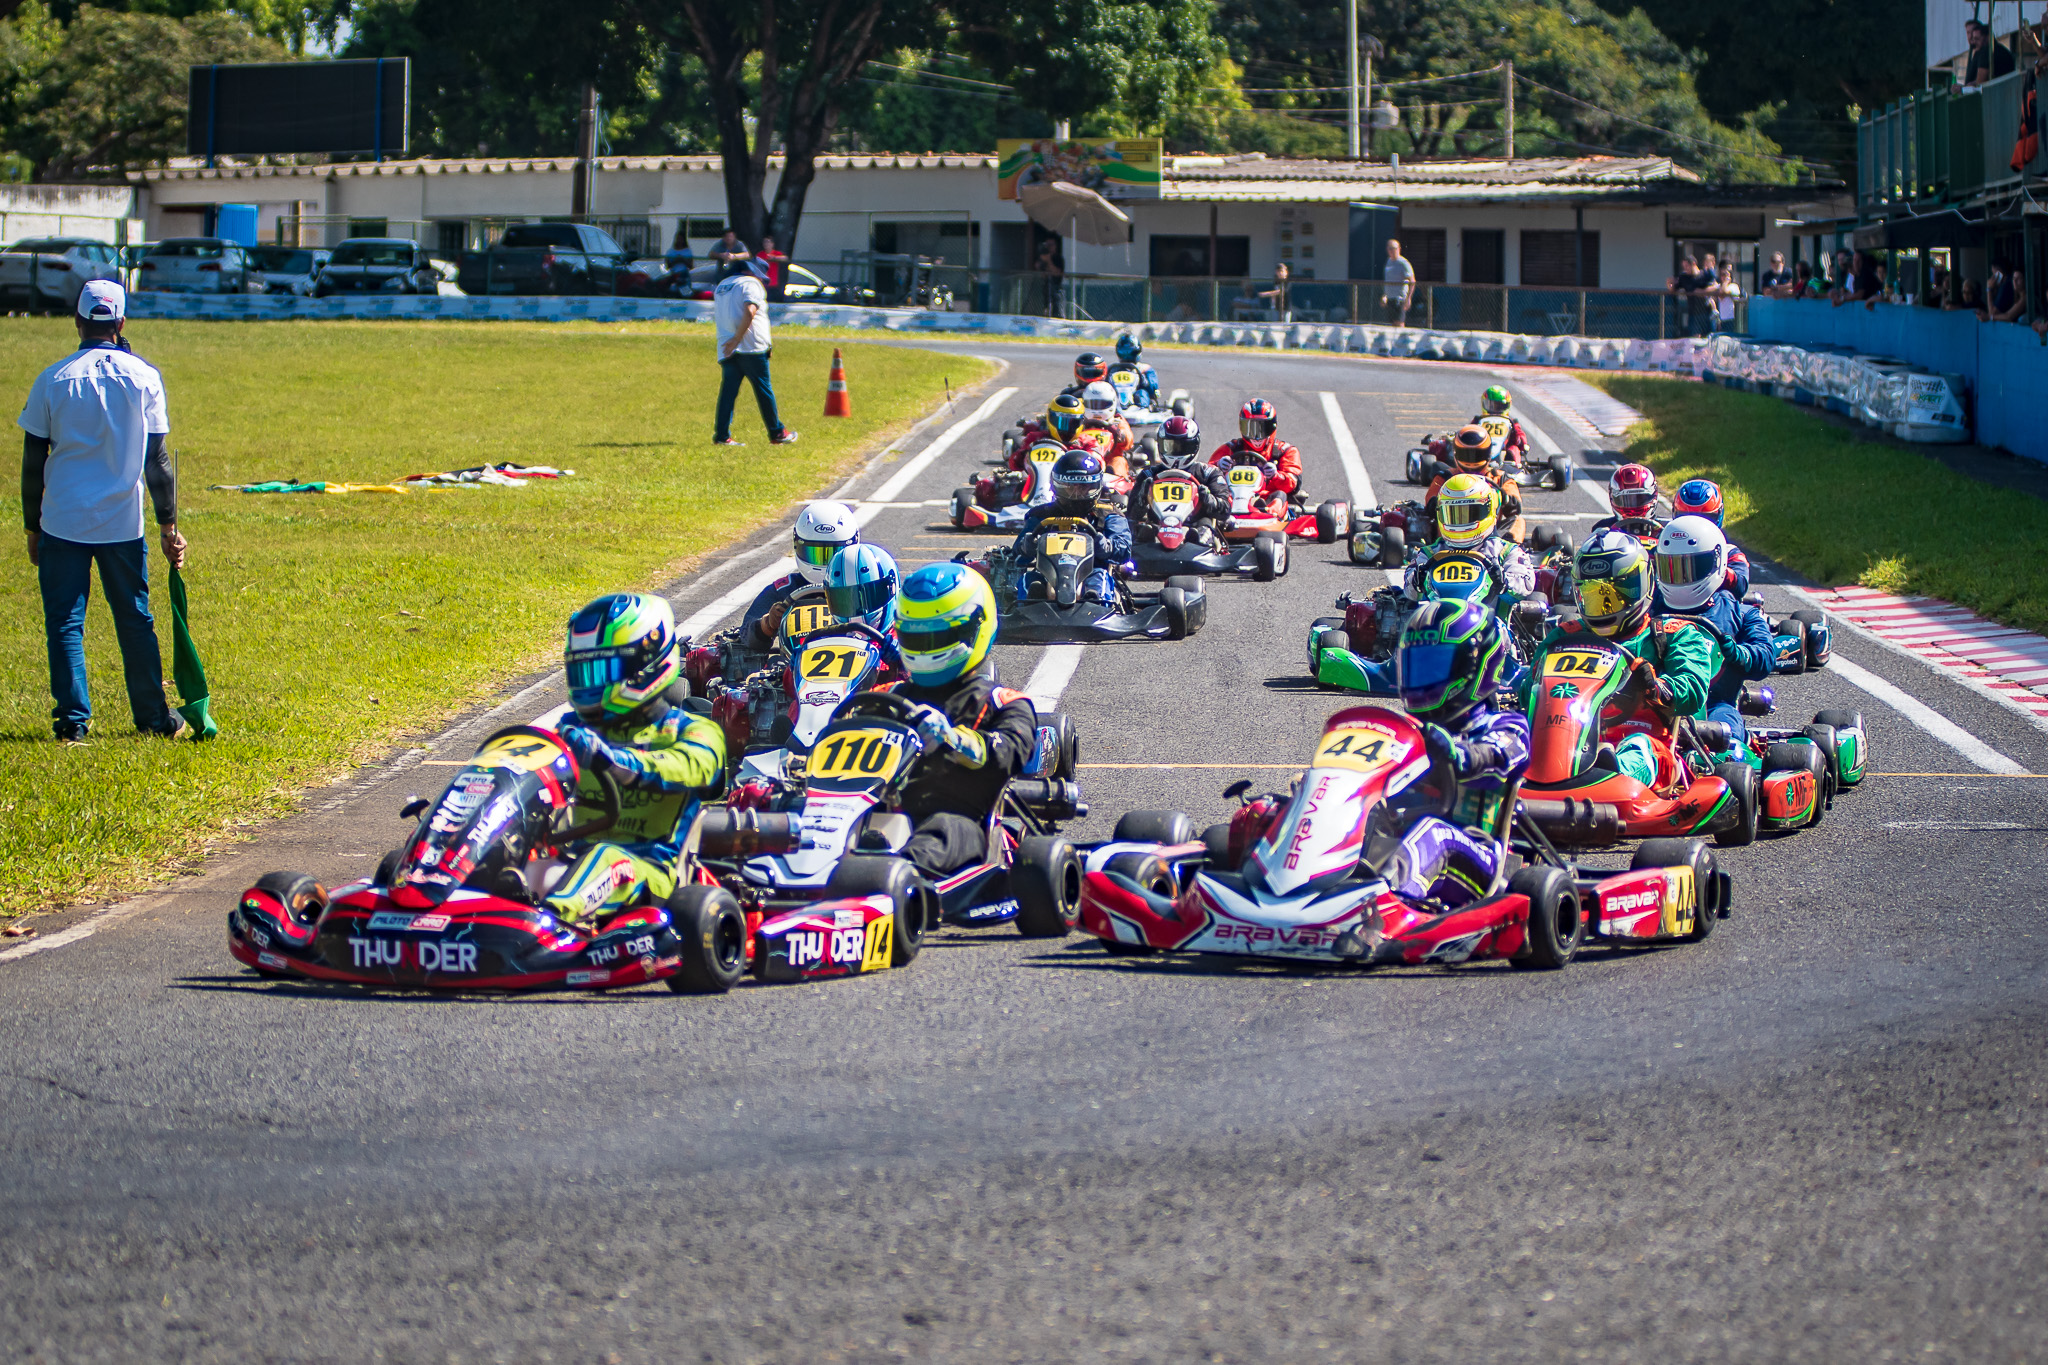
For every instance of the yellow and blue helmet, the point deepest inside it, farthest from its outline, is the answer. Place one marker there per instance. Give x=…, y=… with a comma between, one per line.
x=945, y=623
x=622, y=654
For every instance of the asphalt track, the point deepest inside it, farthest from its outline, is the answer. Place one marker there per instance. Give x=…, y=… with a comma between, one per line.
x=1818, y=1136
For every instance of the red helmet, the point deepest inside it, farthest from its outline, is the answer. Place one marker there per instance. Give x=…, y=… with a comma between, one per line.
x=1089, y=367
x=1632, y=492
x=1256, y=422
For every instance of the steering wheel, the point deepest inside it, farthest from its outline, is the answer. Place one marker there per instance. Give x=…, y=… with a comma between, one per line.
x=886, y=705
x=608, y=792
x=860, y=629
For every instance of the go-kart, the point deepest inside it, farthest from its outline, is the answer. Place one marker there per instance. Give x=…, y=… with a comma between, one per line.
x=1803, y=770
x=845, y=797
x=1381, y=535
x=1255, y=512
x=999, y=500
x=1052, y=610
x=1801, y=642
x=459, y=906
x=1310, y=875
x=1168, y=538
x=733, y=655
x=1354, y=651
x=1424, y=462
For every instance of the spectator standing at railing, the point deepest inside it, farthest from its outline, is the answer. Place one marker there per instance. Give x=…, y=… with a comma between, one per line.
x=679, y=258
x=1805, y=284
x=1399, y=278
x=1775, y=283
x=1690, y=284
x=1972, y=299
x=1988, y=60
x=776, y=265
x=1049, y=265
x=1276, y=297
x=1935, y=292
x=1725, y=293
x=2008, y=298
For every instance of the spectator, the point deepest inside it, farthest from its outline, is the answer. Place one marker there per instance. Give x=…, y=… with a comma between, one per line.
x=1869, y=282
x=2008, y=299
x=1775, y=283
x=1247, y=300
x=1802, y=281
x=1935, y=295
x=1972, y=298
x=679, y=258
x=1726, y=292
x=1277, y=295
x=740, y=307
x=776, y=265
x=1988, y=60
x=1845, y=279
x=1049, y=265
x=1681, y=285
x=1399, y=278
x=93, y=439
x=731, y=254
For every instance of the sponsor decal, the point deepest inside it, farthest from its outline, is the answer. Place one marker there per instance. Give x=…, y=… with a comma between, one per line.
x=270, y=960
x=827, y=947
x=1564, y=691
x=820, y=698
x=376, y=952
x=429, y=924
x=1304, y=828
x=262, y=939
x=1455, y=949
x=386, y=919
x=446, y=957
x=849, y=919
x=1630, y=902
x=1003, y=909
x=1266, y=934
x=587, y=978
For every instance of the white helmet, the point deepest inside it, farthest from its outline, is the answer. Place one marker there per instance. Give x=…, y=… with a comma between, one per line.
x=1692, y=562
x=1098, y=400
x=823, y=529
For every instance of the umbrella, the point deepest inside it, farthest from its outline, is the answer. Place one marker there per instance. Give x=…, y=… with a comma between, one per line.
x=1075, y=212
x=186, y=670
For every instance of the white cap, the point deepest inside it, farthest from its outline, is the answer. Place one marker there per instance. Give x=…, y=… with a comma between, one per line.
x=102, y=301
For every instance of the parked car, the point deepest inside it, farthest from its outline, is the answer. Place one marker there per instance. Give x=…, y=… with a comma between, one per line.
x=377, y=265
x=46, y=273
x=289, y=269
x=651, y=278
x=798, y=286
x=196, y=265
x=546, y=258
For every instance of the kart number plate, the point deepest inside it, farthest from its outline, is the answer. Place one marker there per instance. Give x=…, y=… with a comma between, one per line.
x=1455, y=572
x=517, y=751
x=833, y=661
x=1361, y=748
x=1246, y=476
x=1576, y=663
x=1065, y=543
x=873, y=754
x=1496, y=428
x=1172, y=493
x=802, y=620
x=1121, y=377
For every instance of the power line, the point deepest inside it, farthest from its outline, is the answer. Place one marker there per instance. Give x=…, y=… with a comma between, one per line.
x=942, y=76
x=1683, y=137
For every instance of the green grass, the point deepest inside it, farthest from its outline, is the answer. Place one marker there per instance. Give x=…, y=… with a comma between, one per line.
x=1840, y=507
x=335, y=626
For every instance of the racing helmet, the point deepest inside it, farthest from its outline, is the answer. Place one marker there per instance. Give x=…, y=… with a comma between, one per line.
x=1089, y=367
x=823, y=529
x=621, y=654
x=1495, y=401
x=945, y=623
x=1632, y=492
x=1098, y=400
x=1077, y=479
x=1179, y=439
x=1256, y=423
x=1467, y=509
x=1451, y=658
x=1692, y=562
x=1472, y=448
x=1063, y=416
x=860, y=585
x=1128, y=349
x=1611, y=582
x=1698, y=498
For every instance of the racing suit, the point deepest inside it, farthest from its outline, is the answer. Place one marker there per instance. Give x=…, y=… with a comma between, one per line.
x=663, y=762
x=1112, y=544
x=1645, y=529
x=1442, y=857
x=1738, y=571
x=1743, y=637
x=1112, y=440
x=950, y=797
x=1685, y=657
x=1148, y=382
x=764, y=614
x=1515, y=449
x=1285, y=459
x=1510, y=497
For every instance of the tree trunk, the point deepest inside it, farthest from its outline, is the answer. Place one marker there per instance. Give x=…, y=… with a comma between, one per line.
x=814, y=108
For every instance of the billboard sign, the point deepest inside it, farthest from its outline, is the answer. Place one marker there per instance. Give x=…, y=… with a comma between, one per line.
x=1119, y=168
x=277, y=108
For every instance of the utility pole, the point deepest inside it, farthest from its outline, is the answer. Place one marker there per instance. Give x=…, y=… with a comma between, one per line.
x=586, y=153
x=1507, y=104
x=1351, y=78
x=1370, y=45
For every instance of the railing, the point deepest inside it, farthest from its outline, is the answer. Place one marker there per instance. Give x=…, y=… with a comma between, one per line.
x=1938, y=147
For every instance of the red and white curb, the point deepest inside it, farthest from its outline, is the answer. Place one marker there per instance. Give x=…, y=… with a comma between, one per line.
x=2010, y=664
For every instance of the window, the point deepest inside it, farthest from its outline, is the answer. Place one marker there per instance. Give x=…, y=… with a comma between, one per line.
x=1190, y=255
x=1424, y=247
x=541, y=234
x=1549, y=258
x=374, y=253
x=601, y=242
x=369, y=227
x=282, y=260
x=1485, y=256
x=712, y=228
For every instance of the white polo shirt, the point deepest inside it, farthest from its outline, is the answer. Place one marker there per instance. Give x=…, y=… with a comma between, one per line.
x=98, y=408
x=729, y=304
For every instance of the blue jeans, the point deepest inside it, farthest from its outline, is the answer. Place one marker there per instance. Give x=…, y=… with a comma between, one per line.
x=65, y=571
x=751, y=366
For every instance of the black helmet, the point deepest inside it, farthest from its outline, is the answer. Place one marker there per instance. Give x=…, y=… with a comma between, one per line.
x=1089, y=367
x=1077, y=477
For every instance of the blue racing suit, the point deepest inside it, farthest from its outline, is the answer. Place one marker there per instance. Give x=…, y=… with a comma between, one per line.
x=1747, y=653
x=1444, y=858
x=1148, y=383
x=1738, y=571
x=1112, y=545
x=776, y=594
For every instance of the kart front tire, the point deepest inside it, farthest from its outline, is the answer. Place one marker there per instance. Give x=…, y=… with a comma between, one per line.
x=1788, y=757
x=1154, y=827
x=1556, y=925
x=1183, y=407
x=1066, y=747
x=1796, y=629
x=1332, y=520
x=1393, y=547
x=1851, y=721
x=911, y=899
x=1706, y=882
x=1216, y=840
x=1267, y=561
x=1175, y=600
x=303, y=898
x=1046, y=882
x=1317, y=629
x=1742, y=790
x=1561, y=472
x=963, y=498
x=713, y=937
x=387, y=867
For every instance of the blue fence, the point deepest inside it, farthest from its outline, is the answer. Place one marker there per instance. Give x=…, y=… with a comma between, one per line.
x=2003, y=364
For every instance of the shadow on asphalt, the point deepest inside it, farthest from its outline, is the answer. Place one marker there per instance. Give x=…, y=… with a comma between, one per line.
x=1297, y=683
x=318, y=990
x=1222, y=964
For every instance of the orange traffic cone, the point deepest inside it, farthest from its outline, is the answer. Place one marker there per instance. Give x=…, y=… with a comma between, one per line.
x=837, y=404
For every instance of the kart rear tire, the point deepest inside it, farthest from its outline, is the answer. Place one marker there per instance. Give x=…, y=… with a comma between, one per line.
x=1839, y=721
x=911, y=897
x=1153, y=827
x=1561, y=472
x=1216, y=839
x=1816, y=627
x=713, y=937
x=963, y=498
x=303, y=898
x=1332, y=520
x=1695, y=854
x=1149, y=871
x=1364, y=546
x=387, y=867
x=1066, y=747
x=1557, y=925
x=1788, y=757
x=1267, y=559
x=1393, y=547
x=1742, y=787
x=1046, y=882
x=1796, y=628
x=1316, y=629
x=1175, y=600
x=1183, y=407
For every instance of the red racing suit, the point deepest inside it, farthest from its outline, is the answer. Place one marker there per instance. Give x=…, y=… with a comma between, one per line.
x=1114, y=450
x=1285, y=459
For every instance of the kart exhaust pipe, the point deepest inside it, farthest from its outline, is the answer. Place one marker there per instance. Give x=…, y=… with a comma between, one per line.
x=1050, y=798
x=725, y=833
x=1580, y=823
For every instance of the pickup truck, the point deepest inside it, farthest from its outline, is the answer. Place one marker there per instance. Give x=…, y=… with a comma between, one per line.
x=545, y=258
x=46, y=273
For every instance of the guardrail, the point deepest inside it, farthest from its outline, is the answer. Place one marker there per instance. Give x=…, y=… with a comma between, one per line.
x=1933, y=148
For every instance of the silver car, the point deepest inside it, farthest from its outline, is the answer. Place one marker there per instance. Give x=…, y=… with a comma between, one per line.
x=289, y=269
x=46, y=273
x=377, y=265
x=196, y=265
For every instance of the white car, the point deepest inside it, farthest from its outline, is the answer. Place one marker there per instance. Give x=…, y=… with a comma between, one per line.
x=46, y=273
x=197, y=265
x=289, y=269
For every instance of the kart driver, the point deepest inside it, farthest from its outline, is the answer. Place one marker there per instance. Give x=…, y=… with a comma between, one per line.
x=621, y=657
x=1692, y=577
x=1257, y=424
x=1061, y=422
x=861, y=584
x=1089, y=368
x=1077, y=485
x=1514, y=451
x=1468, y=519
x=1128, y=349
x=1702, y=498
x=1632, y=493
x=1180, y=450
x=822, y=530
x=1471, y=452
x=1677, y=660
x=978, y=735
x=1450, y=662
x=1101, y=412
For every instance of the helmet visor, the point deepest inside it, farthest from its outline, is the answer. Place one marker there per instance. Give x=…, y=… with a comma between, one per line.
x=1424, y=671
x=1632, y=502
x=935, y=637
x=1065, y=423
x=1461, y=514
x=1257, y=429
x=1494, y=404
x=817, y=553
x=1089, y=373
x=1608, y=596
x=590, y=671
x=1684, y=570
x=856, y=600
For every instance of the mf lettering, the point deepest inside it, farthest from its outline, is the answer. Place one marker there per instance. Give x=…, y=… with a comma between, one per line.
x=431, y=957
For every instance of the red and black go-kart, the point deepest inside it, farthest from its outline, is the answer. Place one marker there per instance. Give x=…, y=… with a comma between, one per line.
x=1256, y=509
x=458, y=906
x=1309, y=875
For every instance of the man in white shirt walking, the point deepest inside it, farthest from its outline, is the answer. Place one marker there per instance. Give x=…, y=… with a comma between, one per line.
x=94, y=428
x=1399, y=282
x=740, y=308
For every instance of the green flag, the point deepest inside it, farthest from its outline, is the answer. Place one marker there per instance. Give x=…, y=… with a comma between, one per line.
x=186, y=670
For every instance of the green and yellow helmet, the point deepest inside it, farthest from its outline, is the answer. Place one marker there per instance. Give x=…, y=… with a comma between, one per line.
x=1495, y=401
x=622, y=654
x=945, y=623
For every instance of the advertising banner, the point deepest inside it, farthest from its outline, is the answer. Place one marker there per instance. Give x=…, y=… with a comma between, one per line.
x=1122, y=168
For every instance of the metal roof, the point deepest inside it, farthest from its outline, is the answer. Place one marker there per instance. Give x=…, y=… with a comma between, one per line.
x=190, y=168
x=1301, y=180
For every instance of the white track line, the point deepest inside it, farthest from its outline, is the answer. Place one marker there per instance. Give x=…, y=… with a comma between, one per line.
x=1594, y=490
x=1926, y=717
x=900, y=480
x=1054, y=672
x=1347, y=454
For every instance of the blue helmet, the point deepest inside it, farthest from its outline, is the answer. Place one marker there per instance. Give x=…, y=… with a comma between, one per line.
x=860, y=585
x=1698, y=498
x=1452, y=657
x=1128, y=350
x=1077, y=477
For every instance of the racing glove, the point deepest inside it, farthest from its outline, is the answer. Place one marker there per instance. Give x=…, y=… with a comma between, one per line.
x=591, y=750
x=1445, y=747
x=963, y=744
